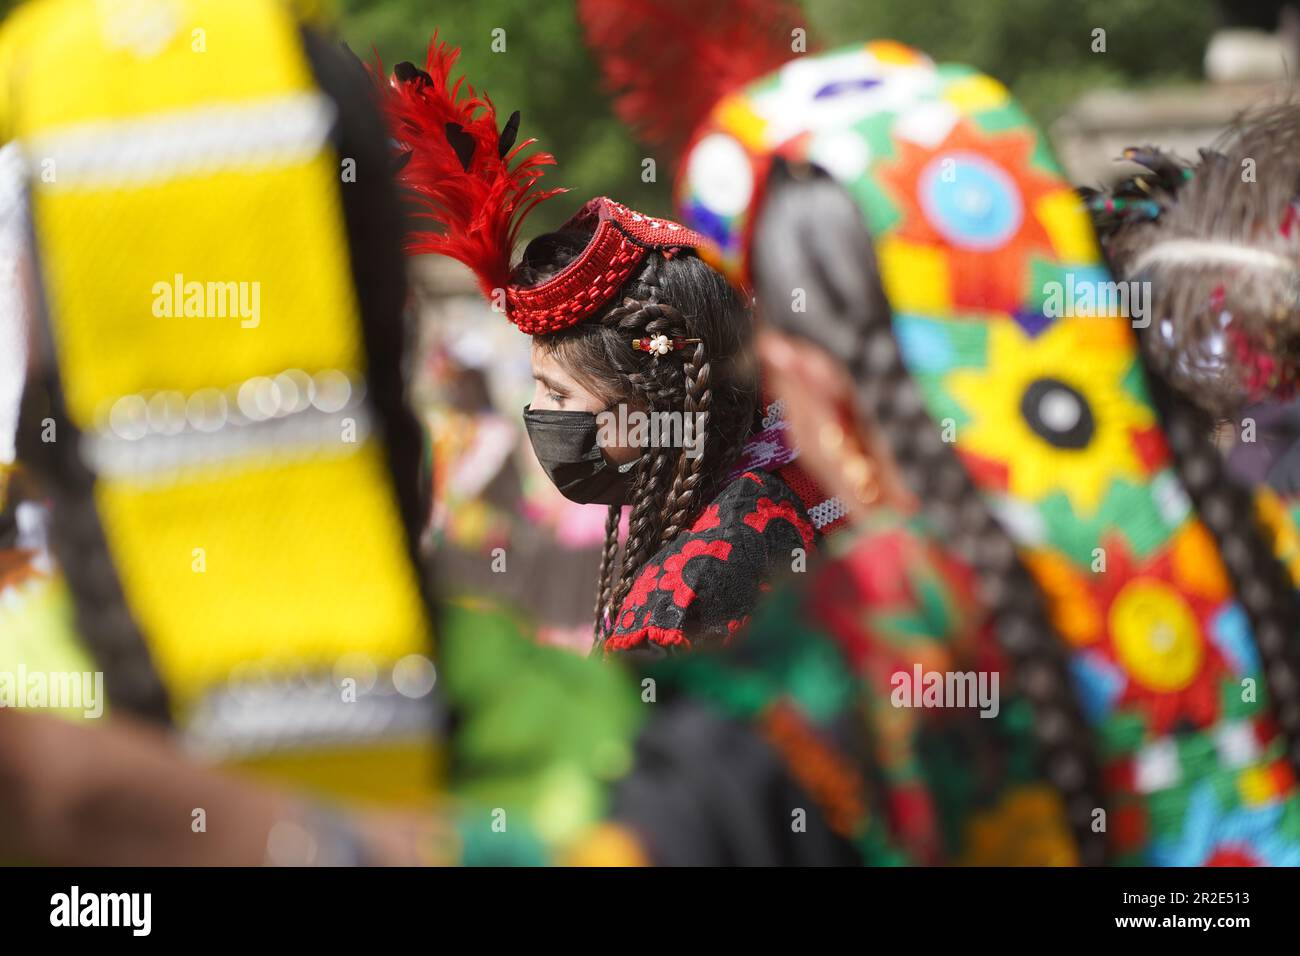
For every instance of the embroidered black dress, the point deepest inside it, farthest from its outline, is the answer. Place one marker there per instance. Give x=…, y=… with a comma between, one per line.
x=701, y=587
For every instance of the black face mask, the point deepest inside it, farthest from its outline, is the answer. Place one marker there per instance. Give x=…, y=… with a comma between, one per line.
x=565, y=444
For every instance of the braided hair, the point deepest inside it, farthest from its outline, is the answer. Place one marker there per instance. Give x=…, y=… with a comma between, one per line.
x=712, y=382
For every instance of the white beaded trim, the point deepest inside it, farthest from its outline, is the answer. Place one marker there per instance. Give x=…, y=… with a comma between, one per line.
x=772, y=414
x=279, y=131
x=249, y=716
x=832, y=509
x=152, y=435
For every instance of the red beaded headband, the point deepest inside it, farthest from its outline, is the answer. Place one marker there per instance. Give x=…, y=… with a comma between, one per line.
x=621, y=241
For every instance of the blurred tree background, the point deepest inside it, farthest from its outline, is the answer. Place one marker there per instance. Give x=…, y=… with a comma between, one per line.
x=1041, y=48
x=544, y=72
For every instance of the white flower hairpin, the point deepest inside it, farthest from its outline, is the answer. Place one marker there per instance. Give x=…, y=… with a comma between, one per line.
x=661, y=344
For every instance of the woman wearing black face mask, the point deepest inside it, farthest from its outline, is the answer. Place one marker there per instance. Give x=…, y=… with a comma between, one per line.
x=646, y=391
x=669, y=350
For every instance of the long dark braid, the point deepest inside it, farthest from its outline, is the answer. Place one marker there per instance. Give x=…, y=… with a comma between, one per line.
x=683, y=500
x=1211, y=201
x=608, y=563
x=664, y=490
x=1259, y=579
x=712, y=384
x=960, y=518
x=850, y=316
x=646, y=522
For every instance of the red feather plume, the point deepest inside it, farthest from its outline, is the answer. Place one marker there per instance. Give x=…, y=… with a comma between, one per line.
x=667, y=62
x=465, y=174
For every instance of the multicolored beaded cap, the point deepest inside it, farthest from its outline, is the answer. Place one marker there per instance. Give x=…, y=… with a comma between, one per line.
x=1003, y=311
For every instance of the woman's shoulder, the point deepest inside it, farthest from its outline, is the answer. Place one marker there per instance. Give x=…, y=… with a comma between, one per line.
x=751, y=501
x=755, y=506
x=701, y=587
x=756, y=483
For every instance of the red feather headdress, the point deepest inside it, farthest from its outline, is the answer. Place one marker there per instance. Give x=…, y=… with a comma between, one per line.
x=466, y=175
x=668, y=62
x=469, y=179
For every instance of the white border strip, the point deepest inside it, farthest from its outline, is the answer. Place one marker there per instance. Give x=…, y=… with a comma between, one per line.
x=13, y=299
x=161, y=459
x=1191, y=251
x=823, y=513
x=272, y=132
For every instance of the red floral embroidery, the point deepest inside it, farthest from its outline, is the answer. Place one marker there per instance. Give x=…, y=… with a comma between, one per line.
x=683, y=593
x=736, y=530
x=767, y=509
x=641, y=588
x=707, y=521
x=664, y=636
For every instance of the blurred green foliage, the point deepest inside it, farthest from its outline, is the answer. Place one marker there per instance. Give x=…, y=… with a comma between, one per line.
x=1041, y=48
x=544, y=72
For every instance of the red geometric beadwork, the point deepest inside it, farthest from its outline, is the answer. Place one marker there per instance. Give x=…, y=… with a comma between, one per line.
x=621, y=240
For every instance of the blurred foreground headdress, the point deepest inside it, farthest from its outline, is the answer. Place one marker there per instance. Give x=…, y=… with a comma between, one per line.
x=232, y=469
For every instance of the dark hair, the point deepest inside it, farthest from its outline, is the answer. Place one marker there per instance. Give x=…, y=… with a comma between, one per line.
x=1219, y=208
x=678, y=296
